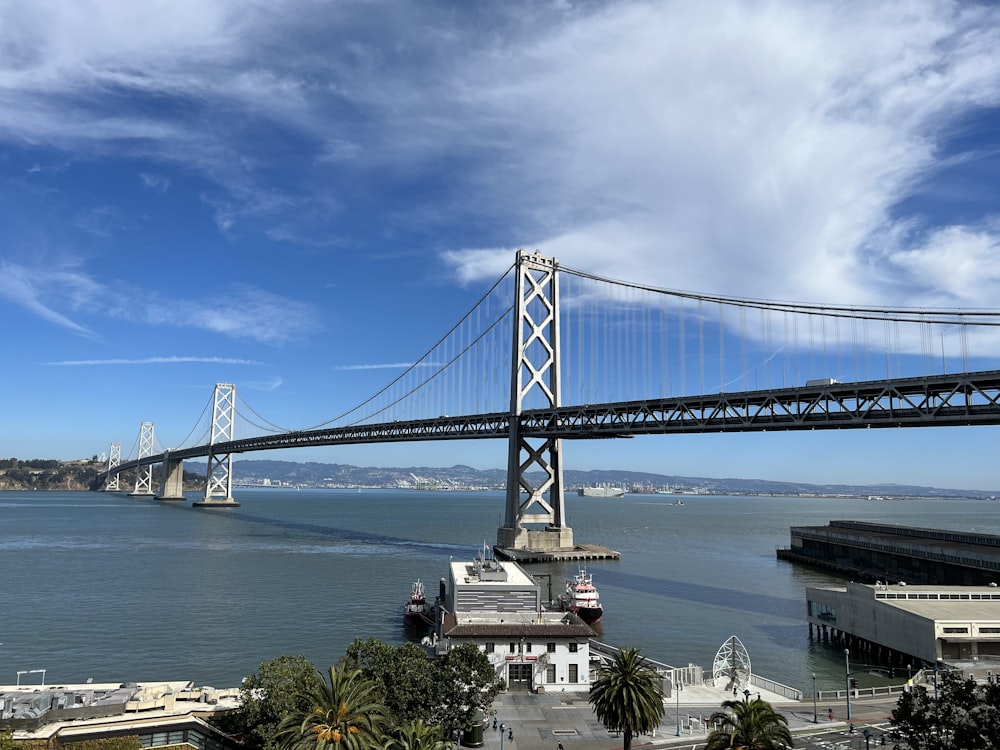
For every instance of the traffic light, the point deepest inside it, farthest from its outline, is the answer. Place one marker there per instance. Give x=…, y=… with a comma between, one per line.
x=854, y=682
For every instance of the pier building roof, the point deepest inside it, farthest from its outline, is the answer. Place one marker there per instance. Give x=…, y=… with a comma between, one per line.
x=878, y=551
x=954, y=623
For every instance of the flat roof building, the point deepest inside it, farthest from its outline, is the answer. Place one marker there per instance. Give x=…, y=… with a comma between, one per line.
x=499, y=607
x=906, y=625
x=868, y=551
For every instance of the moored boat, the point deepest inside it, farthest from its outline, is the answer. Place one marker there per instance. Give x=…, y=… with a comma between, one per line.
x=581, y=598
x=601, y=491
x=416, y=613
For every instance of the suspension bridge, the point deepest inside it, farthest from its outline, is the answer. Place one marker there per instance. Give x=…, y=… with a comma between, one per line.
x=550, y=353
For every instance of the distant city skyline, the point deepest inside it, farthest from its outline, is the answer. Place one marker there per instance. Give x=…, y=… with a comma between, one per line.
x=301, y=199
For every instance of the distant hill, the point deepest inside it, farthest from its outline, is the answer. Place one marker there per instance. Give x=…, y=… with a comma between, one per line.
x=345, y=475
x=44, y=474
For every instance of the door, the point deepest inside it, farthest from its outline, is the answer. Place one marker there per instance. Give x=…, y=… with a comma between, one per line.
x=519, y=676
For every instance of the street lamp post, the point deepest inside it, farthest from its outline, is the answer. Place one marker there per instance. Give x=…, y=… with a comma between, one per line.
x=937, y=666
x=677, y=705
x=815, y=717
x=847, y=678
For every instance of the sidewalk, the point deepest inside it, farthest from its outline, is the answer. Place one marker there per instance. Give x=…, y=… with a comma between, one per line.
x=541, y=722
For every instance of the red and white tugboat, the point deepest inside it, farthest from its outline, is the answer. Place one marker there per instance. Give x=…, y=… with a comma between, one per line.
x=416, y=613
x=581, y=598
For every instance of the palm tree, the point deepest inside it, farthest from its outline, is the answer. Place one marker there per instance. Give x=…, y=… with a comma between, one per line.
x=750, y=725
x=416, y=736
x=346, y=714
x=627, y=696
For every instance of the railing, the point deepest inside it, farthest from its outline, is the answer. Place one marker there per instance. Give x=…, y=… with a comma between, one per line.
x=775, y=687
x=871, y=692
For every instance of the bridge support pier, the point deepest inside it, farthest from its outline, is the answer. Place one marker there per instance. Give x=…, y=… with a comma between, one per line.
x=144, y=472
x=535, y=382
x=172, y=488
x=112, y=483
x=219, y=477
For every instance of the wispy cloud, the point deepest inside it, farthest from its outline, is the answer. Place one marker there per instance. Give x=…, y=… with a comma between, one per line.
x=239, y=311
x=264, y=385
x=387, y=366
x=152, y=361
x=43, y=291
x=751, y=148
x=158, y=182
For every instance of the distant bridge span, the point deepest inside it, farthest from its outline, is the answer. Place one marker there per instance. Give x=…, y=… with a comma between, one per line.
x=935, y=401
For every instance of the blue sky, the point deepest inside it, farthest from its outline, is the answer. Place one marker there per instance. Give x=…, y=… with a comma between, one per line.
x=300, y=197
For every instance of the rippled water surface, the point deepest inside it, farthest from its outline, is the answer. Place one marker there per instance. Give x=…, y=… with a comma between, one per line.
x=119, y=588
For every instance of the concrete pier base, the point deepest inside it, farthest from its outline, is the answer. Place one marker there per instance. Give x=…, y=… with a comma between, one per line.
x=576, y=552
x=550, y=539
x=216, y=502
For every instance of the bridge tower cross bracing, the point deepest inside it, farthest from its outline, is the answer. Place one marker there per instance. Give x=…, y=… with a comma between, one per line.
x=219, y=475
x=111, y=484
x=535, y=379
x=144, y=472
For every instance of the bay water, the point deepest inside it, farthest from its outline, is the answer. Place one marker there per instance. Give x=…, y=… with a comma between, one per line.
x=115, y=588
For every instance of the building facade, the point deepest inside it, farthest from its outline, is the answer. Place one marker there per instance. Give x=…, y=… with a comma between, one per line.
x=498, y=606
x=909, y=625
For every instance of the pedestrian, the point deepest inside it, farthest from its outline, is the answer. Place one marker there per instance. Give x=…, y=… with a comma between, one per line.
x=494, y=723
x=560, y=746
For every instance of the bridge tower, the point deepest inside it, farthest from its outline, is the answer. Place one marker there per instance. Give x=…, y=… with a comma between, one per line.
x=535, y=384
x=111, y=484
x=219, y=477
x=144, y=474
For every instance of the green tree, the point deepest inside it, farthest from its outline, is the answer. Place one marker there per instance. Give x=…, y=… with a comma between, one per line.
x=964, y=716
x=465, y=682
x=344, y=714
x=278, y=688
x=749, y=725
x=404, y=674
x=627, y=696
x=416, y=735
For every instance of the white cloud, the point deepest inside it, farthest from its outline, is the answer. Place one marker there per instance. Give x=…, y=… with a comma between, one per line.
x=752, y=148
x=158, y=182
x=743, y=148
x=386, y=366
x=42, y=292
x=238, y=312
x=153, y=361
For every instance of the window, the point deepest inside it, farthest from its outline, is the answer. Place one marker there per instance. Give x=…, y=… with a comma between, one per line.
x=550, y=673
x=489, y=648
x=573, y=677
x=550, y=648
x=989, y=630
x=956, y=630
x=573, y=647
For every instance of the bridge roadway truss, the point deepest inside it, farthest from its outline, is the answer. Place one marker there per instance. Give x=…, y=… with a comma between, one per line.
x=964, y=399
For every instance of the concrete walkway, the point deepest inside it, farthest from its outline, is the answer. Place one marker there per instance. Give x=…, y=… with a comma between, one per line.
x=542, y=722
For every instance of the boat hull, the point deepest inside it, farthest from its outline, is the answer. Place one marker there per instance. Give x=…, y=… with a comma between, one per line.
x=589, y=615
x=415, y=619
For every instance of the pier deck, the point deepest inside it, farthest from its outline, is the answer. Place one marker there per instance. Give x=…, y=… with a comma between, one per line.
x=576, y=552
